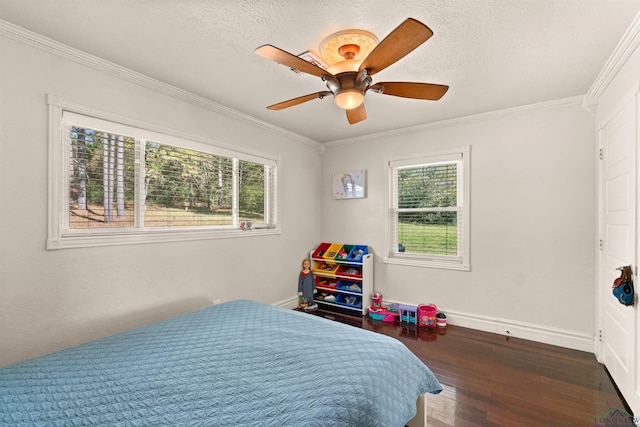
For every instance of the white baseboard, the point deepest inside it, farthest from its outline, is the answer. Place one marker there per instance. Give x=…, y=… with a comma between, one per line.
x=528, y=331
x=544, y=334
x=291, y=302
x=509, y=328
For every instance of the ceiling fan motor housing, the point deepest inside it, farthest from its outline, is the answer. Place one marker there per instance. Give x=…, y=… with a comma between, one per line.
x=348, y=88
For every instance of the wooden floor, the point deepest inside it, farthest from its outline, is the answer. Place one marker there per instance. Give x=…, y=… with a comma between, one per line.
x=493, y=380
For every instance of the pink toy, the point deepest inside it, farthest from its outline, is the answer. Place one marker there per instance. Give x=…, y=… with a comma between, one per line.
x=427, y=315
x=381, y=313
x=377, y=299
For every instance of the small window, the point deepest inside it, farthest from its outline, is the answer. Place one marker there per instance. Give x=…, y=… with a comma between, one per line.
x=428, y=219
x=124, y=184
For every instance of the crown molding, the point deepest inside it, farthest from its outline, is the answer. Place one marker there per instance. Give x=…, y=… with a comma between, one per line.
x=460, y=121
x=62, y=50
x=625, y=48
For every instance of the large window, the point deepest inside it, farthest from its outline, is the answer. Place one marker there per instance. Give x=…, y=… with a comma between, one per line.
x=124, y=184
x=428, y=219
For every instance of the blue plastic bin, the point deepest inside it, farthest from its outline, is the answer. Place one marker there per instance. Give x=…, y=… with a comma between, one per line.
x=357, y=253
x=353, y=301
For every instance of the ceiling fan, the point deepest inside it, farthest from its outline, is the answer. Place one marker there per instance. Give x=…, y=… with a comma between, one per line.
x=351, y=79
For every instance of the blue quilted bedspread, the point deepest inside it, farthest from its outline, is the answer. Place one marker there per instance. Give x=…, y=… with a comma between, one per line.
x=240, y=363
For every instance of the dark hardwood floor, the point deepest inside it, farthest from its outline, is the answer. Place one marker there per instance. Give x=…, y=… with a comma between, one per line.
x=493, y=380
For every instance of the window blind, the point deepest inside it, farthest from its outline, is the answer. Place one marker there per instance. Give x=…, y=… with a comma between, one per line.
x=427, y=208
x=186, y=188
x=101, y=179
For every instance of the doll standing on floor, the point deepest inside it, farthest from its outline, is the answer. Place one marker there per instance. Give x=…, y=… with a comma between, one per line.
x=307, y=286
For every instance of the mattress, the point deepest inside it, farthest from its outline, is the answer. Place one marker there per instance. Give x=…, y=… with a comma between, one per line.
x=241, y=363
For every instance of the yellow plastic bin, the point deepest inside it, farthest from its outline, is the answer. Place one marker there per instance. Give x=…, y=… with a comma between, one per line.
x=324, y=268
x=331, y=252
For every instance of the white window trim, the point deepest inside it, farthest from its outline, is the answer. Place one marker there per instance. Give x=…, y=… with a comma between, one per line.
x=57, y=211
x=462, y=262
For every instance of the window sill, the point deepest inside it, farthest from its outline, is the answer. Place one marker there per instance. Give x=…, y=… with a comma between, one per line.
x=151, y=236
x=445, y=265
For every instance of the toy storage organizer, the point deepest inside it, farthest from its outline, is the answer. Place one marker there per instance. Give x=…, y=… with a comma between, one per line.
x=344, y=276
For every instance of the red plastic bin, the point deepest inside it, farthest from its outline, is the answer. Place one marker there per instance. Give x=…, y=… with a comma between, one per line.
x=320, y=250
x=350, y=271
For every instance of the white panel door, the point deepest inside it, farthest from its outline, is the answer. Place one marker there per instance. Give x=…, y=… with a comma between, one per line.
x=618, y=232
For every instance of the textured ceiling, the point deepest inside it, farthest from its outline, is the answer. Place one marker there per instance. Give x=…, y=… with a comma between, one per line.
x=494, y=54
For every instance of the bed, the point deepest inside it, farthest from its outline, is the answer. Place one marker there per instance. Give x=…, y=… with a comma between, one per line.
x=240, y=363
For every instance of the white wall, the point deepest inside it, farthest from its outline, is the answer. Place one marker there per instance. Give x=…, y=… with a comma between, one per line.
x=50, y=300
x=533, y=229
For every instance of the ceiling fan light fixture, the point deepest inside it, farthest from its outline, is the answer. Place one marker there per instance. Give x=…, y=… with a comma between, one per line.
x=348, y=99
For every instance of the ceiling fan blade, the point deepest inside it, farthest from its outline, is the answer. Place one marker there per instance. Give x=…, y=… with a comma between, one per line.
x=405, y=38
x=429, y=91
x=298, y=100
x=357, y=114
x=285, y=58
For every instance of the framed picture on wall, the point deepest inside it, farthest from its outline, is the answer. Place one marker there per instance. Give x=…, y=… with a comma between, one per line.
x=349, y=185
